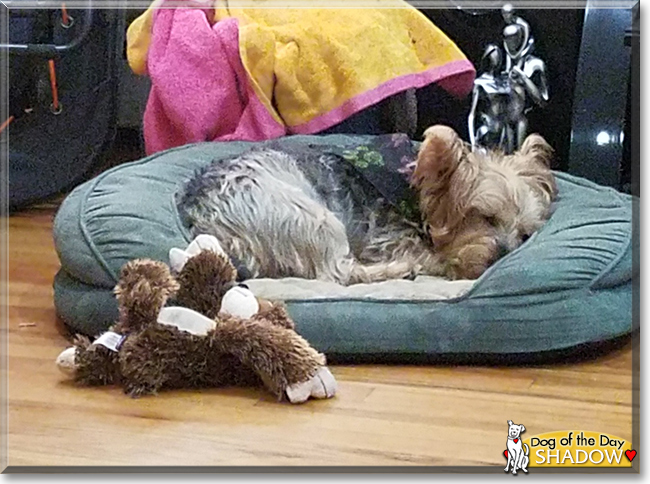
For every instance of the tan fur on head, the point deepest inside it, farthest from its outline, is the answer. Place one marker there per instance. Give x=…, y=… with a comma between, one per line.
x=480, y=205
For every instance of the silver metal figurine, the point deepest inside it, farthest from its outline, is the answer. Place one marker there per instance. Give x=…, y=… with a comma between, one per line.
x=503, y=95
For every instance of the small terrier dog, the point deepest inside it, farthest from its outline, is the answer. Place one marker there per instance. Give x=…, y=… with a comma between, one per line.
x=314, y=217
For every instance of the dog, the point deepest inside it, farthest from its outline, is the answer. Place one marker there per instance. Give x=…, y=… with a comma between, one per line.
x=312, y=216
x=517, y=456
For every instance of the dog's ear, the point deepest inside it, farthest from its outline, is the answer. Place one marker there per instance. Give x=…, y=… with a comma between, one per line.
x=522, y=429
x=445, y=182
x=533, y=162
x=537, y=149
x=509, y=422
x=439, y=154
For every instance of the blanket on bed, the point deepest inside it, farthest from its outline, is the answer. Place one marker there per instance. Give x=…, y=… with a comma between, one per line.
x=226, y=73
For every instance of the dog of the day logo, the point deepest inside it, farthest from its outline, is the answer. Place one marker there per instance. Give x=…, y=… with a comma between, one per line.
x=566, y=448
x=517, y=452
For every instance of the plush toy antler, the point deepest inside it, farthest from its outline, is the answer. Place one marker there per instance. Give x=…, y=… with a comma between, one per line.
x=216, y=334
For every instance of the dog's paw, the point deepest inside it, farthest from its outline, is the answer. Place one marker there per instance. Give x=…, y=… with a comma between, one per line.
x=321, y=385
x=179, y=257
x=66, y=361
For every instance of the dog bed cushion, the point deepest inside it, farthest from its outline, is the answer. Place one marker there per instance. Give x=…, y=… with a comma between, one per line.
x=569, y=284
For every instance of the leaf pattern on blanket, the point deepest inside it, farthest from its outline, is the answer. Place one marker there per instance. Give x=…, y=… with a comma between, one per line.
x=362, y=157
x=386, y=161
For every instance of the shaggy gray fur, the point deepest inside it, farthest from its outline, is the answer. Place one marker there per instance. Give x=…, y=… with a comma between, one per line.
x=314, y=217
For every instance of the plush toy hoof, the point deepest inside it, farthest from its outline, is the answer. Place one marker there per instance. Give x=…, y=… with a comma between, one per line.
x=186, y=320
x=322, y=385
x=241, y=302
x=178, y=257
x=66, y=361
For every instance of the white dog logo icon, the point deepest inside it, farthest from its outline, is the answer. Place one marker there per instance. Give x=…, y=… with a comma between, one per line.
x=517, y=457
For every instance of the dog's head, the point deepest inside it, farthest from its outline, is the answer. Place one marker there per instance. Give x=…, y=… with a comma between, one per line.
x=478, y=206
x=514, y=430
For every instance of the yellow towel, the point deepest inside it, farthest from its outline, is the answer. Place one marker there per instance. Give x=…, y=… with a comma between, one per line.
x=306, y=62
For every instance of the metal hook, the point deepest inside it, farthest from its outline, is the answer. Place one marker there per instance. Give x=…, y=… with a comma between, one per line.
x=69, y=24
x=56, y=110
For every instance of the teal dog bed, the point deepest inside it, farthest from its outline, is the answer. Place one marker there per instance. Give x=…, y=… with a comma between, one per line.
x=568, y=286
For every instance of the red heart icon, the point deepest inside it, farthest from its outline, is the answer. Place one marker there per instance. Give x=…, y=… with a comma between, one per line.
x=516, y=440
x=505, y=453
x=630, y=454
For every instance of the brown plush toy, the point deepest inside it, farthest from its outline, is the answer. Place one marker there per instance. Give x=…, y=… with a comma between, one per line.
x=217, y=333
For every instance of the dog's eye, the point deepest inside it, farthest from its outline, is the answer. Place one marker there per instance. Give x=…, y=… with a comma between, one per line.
x=492, y=220
x=525, y=237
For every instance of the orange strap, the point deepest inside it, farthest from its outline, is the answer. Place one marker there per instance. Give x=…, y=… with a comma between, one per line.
x=6, y=123
x=55, y=90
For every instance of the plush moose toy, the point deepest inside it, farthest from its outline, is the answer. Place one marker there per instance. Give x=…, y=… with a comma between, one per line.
x=216, y=333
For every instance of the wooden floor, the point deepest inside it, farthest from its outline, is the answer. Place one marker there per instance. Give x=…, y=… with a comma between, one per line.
x=383, y=416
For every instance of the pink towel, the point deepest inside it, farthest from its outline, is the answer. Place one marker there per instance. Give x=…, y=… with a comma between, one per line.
x=199, y=87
